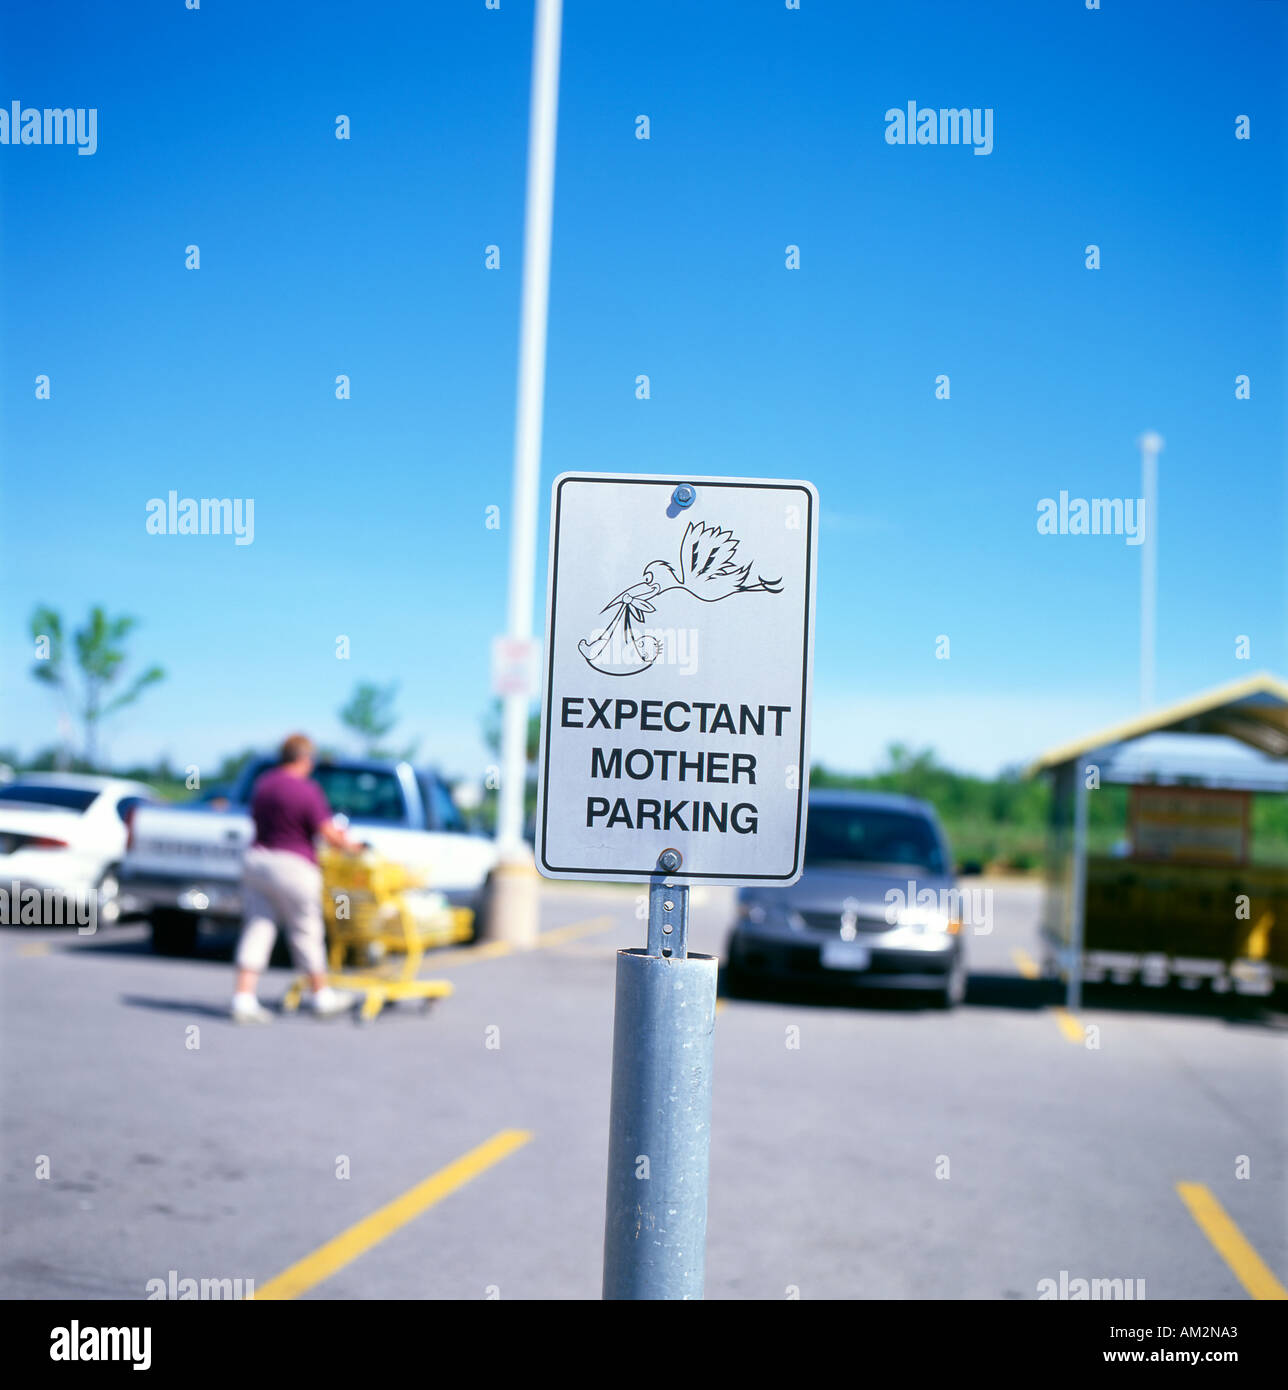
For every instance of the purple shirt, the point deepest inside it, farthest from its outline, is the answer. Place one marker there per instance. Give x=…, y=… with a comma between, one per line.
x=288, y=811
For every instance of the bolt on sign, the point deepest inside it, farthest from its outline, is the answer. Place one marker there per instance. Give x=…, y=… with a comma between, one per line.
x=678, y=664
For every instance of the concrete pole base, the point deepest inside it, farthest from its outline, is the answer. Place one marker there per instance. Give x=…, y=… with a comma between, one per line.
x=511, y=903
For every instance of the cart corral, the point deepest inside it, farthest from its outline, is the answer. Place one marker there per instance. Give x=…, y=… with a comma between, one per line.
x=1187, y=894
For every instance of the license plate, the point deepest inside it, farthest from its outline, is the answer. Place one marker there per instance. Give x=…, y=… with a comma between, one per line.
x=845, y=955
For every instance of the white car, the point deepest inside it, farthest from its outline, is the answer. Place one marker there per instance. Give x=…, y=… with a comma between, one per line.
x=65, y=834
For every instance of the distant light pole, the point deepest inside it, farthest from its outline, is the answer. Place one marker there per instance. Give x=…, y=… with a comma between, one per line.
x=1151, y=445
x=512, y=913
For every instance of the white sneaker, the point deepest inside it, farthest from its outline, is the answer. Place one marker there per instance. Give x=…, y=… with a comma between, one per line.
x=247, y=1009
x=328, y=1002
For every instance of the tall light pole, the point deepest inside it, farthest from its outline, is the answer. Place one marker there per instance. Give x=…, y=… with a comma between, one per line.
x=512, y=910
x=1151, y=445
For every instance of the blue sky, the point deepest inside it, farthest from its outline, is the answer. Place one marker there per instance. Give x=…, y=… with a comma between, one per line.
x=366, y=257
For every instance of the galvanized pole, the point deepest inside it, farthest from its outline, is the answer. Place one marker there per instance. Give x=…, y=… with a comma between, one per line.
x=1151, y=446
x=659, y=1139
x=527, y=430
x=511, y=907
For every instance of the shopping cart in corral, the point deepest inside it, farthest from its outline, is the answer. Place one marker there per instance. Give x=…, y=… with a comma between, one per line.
x=380, y=921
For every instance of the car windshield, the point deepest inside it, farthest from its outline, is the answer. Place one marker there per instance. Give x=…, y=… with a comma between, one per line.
x=866, y=835
x=443, y=814
x=56, y=798
x=363, y=794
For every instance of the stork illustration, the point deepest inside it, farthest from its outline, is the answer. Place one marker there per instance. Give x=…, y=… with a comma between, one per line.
x=708, y=571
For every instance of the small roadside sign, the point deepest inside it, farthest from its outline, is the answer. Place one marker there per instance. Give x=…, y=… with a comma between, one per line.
x=514, y=665
x=678, y=665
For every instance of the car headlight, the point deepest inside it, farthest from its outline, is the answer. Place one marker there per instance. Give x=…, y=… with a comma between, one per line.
x=757, y=914
x=920, y=919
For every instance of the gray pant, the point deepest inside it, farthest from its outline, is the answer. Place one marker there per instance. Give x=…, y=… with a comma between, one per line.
x=281, y=888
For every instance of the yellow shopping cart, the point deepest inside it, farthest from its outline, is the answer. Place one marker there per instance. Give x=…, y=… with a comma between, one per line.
x=372, y=918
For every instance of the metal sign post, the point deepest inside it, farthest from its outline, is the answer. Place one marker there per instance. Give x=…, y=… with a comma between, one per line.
x=659, y=1130
x=674, y=748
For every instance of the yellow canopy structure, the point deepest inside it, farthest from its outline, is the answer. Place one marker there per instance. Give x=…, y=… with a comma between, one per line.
x=1254, y=711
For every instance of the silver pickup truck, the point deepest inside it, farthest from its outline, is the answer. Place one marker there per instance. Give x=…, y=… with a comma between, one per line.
x=182, y=865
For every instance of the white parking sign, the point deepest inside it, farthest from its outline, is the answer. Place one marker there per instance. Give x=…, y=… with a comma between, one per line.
x=678, y=661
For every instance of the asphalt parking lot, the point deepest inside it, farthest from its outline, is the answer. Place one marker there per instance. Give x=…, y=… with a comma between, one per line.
x=866, y=1149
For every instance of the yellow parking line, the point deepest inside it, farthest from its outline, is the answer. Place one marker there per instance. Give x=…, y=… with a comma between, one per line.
x=463, y=955
x=1025, y=964
x=559, y=935
x=585, y=950
x=491, y=950
x=1249, y=1268
x=1069, y=1026
x=371, y=1230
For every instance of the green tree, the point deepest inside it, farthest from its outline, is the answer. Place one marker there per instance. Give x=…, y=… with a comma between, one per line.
x=231, y=765
x=98, y=650
x=370, y=715
x=492, y=730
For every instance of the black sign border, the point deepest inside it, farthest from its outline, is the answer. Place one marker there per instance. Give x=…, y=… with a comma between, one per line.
x=580, y=870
